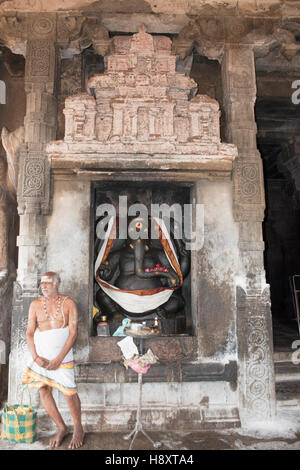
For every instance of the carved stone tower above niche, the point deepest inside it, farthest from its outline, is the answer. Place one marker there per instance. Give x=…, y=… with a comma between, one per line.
x=141, y=104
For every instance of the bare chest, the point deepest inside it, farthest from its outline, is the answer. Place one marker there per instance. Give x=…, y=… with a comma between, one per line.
x=51, y=315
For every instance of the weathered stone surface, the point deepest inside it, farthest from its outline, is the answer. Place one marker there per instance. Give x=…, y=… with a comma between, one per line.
x=13, y=33
x=214, y=269
x=110, y=418
x=156, y=6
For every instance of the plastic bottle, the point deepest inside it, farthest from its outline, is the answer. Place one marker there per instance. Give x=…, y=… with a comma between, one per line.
x=102, y=327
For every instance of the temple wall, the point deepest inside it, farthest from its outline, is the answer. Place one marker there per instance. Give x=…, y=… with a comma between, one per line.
x=68, y=247
x=217, y=268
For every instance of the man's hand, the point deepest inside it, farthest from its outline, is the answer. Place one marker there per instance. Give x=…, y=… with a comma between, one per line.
x=42, y=362
x=54, y=364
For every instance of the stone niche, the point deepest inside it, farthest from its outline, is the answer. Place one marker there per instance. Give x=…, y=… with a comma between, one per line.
x=149, y=195
x=142, y=125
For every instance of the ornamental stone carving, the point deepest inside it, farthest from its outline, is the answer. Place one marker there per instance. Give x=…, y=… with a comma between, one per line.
x=80, y=112
x=141, y=104
x=33, y=182
x=255, y=353
x=249, y=195
x=42, y=26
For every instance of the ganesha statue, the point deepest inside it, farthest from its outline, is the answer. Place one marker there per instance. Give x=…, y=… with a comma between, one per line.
x=141, y=276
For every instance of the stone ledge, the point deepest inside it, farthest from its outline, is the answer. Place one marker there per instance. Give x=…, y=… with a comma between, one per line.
x=170, y=372
x=146, y=161
x=166, y=348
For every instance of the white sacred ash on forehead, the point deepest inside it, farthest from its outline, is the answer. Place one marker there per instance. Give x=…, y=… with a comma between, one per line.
x=47, y=278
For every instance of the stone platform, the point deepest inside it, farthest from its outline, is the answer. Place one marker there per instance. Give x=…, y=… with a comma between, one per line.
x=282, y=434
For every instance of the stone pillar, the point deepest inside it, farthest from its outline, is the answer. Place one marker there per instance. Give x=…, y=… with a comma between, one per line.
x=33, y=189
x=254, y=328
x=34, y=181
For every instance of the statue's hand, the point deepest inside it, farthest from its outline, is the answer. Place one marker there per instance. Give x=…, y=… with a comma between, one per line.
x=173, y=280
x=105, y=271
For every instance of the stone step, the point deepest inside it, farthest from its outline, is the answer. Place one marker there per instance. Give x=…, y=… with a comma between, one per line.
x=286, y=371
x=287, y=378
x=284, y=355
x=288, y=393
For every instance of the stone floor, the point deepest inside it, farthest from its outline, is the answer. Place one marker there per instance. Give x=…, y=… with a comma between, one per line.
x=281, y=434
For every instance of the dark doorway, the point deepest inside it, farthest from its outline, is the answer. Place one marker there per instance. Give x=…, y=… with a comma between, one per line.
x=281, y=227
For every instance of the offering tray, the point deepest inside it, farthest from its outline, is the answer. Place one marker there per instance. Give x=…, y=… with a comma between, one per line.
x=144, y=332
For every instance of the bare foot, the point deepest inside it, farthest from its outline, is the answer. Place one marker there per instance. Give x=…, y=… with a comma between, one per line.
x=77, y=439
x=59, y=437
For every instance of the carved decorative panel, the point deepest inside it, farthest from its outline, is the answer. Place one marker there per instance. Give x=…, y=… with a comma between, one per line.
x=255, y=353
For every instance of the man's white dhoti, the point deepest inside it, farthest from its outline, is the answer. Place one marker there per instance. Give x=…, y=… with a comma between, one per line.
x=48, y=345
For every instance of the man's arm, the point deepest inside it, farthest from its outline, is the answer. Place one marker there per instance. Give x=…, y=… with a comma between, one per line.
x=73, y=328
x=31, y=327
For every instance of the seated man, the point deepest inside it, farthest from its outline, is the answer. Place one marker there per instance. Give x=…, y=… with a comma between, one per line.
x=51, y=333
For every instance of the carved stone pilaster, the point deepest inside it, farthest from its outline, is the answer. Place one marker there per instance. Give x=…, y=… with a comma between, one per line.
x=40, y=65
x=22, y=298
x=255, y=350
x=254, y=330
x=239, y=95
x=40, y=120
x=239, y=91
x=40, y=127
x=34, y=183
